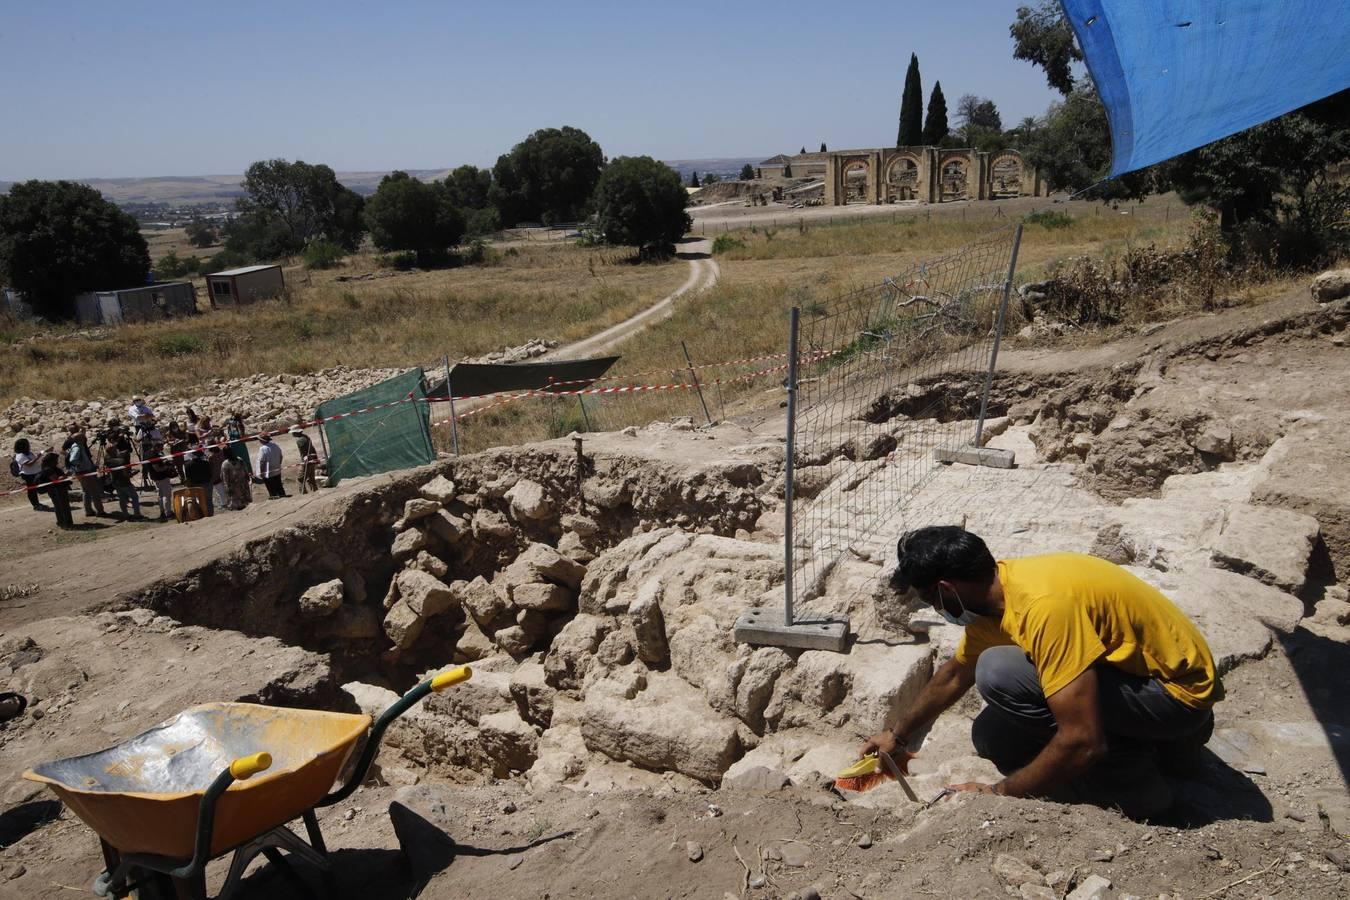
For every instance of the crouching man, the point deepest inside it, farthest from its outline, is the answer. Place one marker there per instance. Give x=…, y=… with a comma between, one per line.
x=1093, y=679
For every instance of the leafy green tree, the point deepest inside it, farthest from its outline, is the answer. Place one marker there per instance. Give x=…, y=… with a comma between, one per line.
x=405, y=213
x=693, y=180
x=978, y=112
x=171, y=265
x=935, y=125
x=548, y=177
x=288, y=204
x=911, y=107
x=1043, y=37
x=747, y=172
x=201, y=233
x=470, y=187
x=640, y=201
x=711, y=178
x=1273, y=186
x=60, y=238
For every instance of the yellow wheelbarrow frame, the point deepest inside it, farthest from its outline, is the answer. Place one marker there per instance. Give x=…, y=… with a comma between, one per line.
x=159, y=828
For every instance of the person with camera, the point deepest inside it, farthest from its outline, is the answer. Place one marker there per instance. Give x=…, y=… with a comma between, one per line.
x=80, y=462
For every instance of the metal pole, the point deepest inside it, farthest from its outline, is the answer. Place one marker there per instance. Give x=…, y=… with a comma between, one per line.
x=584, y=418
x=998, y=335
x=697, y=386
x=789, y=468
x=450, y=394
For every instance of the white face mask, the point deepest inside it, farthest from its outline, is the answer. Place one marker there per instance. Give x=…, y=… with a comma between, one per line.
x=965, y=617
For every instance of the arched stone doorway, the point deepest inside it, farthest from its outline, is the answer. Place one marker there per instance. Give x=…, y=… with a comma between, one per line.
x=1005, y=177
x=955, y=181
x=902, y=179
x=857, y=181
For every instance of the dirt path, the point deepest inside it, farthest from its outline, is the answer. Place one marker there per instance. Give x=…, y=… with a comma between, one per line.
x=703, y=274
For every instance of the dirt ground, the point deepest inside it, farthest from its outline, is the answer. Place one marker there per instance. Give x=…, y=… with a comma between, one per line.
x=1269, y=814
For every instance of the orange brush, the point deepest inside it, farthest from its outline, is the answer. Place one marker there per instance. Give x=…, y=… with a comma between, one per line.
x=872, y=770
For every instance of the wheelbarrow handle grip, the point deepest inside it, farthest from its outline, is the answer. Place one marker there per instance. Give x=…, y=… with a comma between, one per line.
x=450, y=678
x=246, y=767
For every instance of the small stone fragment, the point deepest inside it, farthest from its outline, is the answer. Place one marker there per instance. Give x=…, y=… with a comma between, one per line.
x=796, y=855
x=1094, y=887
x=864, y=841
x=694, y=849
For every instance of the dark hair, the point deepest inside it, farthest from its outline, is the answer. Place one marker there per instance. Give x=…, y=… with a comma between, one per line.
x=929, y=555
x=22, y=446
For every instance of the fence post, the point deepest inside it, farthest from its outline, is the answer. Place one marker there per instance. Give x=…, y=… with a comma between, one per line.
x=789, y=469
x=450, y=394
x=697, y=386
x=998, y=335
x=586, y=420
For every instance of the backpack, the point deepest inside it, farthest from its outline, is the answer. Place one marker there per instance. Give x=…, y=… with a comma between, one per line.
x=14, y=467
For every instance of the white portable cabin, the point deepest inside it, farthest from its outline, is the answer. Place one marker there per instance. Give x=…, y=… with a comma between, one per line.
x=147, y=303
x=240, y=287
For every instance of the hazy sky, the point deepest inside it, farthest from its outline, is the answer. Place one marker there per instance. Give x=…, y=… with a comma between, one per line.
x=100, y=89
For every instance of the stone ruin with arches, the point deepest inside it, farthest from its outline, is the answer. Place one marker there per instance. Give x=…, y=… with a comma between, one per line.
x=927, y=175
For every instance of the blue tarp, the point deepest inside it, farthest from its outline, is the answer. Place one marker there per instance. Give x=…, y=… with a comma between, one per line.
x=1179, y=74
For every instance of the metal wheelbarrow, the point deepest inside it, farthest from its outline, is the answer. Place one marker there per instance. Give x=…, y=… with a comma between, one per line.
x=168, y=801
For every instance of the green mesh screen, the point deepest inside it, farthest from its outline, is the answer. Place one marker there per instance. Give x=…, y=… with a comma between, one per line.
x=396, y=437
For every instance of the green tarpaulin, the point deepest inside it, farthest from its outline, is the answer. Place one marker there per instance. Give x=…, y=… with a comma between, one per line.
x=395, y=437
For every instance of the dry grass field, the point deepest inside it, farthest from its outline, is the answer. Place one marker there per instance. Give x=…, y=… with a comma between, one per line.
x=560, y=292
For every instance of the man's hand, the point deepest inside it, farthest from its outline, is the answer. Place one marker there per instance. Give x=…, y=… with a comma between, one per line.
x=976, y=787
x=882, y=741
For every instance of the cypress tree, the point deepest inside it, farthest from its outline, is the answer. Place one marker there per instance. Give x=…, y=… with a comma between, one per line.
x=803, y=153
x=935, y=126
x=911, y=107
x=693, y=180
x=822, y=147
x=787, y=170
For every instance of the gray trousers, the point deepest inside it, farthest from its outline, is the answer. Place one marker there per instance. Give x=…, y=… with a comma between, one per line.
x=1018, y=723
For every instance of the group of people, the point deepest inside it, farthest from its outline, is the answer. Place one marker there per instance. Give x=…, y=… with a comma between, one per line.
x=213, y=461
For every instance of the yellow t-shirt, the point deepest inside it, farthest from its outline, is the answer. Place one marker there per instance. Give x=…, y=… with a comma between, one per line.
x=1069, y=611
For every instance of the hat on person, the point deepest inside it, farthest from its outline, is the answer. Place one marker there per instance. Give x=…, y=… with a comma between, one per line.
x=265, y=438
x=296, y=429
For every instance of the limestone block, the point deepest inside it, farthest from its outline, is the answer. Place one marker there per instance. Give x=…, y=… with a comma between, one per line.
x=753, y=679
x=472, y=645
x=487, y=692
x=570, y=545
x=1215, y=439
x=528, y=501
x=1269, y=544
x=649, y=627
x=617, y=649
x=570, y=656
x=668, y=726
x=416, y=510
x=403, y=625
x=513, y=639
x=439, y=489
x=448, y=527
x=541, y=597
x=424, y=594
x=820, y=680
x=884, y=680
x=353, y=623
x=701, y=654
x=488, y=523
x=432, y=565
x=509, y=741
x=755, y=779
x=1331, y=285
x=602, y=589
x=872, y=445
x=562, y=757
x=532, y=694
x=322, y=599
x=483, y=603
x=540, y=563
x=408, y=544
